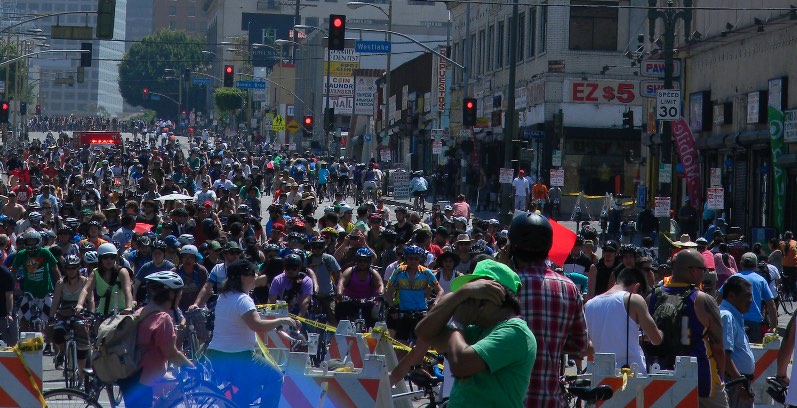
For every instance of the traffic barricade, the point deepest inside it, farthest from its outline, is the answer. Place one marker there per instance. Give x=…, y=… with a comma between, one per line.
x=766, y=365
x=305, y=386
x=348, y=345
x=277, y=341
x=659, y=389
x=21, y=372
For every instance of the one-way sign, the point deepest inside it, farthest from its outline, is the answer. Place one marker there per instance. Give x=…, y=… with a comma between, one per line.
x=668, y=104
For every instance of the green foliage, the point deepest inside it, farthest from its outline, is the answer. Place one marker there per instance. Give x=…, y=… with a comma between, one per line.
x=145, y=64
x=229, y=99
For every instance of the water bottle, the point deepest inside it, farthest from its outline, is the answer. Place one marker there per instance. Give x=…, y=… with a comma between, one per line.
x=312, y=343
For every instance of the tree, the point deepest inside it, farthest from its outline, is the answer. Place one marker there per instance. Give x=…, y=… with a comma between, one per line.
x=145, y=65
x=229, y=99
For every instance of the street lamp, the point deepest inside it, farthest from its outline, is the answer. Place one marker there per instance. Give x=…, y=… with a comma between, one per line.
x=389, y=13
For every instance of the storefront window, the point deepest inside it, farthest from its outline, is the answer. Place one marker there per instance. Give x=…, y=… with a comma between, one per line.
x=597, y=165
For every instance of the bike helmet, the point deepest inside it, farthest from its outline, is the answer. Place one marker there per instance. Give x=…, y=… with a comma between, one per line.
x=401, y=208
x=35, y=216
x=107, y=249
x=364, y=252
x=318, y=239
x=413, y=250
x=271, y=248
x=627, y=249
x=9, y=220
x=65, y=229
x=168, y=279
x=34, y=236
x=159, y=244
x=95, y=223
x=244, y=209
x=329, y=209
x=91, y=257
x=171, y=241
x=87, y=246
x=72, y=222
x=329, y=231
x=344, y=208
x=189, y=250
x=186, y=239
x=72, y=260
x=293, y=260
x=531, y=232
x=296, y=236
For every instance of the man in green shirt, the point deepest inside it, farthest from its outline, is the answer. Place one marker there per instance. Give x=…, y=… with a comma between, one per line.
x=489, y=349
x=39, y=270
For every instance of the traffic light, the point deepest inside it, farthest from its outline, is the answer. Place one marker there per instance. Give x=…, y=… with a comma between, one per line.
x=23, y=108
x=329, y=118
x=229, y=73
x=106, y=13
x=308, y=123
x=4, y=108
x=337, y=32
x=38, y=109
x=187, y=74
x=145, y=94
x=85, y=57
x=628, y=120
x=469, y=112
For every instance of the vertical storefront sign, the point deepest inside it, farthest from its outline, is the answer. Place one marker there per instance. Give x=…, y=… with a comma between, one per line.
x=685, y=144
x=778, y=175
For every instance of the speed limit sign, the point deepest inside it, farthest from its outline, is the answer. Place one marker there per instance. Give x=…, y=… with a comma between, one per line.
x=668, y=104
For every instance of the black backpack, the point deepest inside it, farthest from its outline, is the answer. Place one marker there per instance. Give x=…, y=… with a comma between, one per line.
x=669, y=313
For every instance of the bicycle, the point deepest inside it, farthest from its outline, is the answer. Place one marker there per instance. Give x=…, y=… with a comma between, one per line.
x=420, y=202
x=577, y=391
x=777, y=389
x=428, y=378
x=188, y=391
x=71, y=370
x=361, y=305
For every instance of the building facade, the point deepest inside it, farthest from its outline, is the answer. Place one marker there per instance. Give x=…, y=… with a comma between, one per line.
x=99, y=92
x=574, y=82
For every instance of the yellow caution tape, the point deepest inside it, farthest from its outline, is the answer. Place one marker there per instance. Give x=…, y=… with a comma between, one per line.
x=626, y=373
x=30, y=345
x=266, y=354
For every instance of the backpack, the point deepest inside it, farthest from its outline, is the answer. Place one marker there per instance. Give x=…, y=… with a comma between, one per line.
x=669, y=313
x=765, y=274
x=117, y=357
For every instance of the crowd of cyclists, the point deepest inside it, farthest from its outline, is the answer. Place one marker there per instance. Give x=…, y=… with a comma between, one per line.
x=174, y=234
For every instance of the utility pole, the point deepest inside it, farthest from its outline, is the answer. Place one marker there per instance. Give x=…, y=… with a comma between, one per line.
x=669, y=16
x=510, y=121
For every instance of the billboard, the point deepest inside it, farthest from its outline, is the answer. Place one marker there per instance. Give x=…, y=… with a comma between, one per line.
x=264, y=29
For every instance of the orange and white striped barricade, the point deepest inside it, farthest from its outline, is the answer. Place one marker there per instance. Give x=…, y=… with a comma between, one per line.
x=305, y=386
x=277, y=341
x=766, y=365
x=659, y=389
x=347, y=345
x=21, y=373
x=378, y=343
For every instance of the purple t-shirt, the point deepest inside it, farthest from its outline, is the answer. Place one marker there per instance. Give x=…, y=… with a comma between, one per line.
x=287, y=289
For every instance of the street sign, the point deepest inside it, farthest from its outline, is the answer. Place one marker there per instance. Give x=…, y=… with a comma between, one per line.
x=292, y=126
x=278, y=124
x=534, y=134
x=665, y=173
x=154, y=97
x=250, y=84
x=556, y=158
x=662, y=207
x=655, y=68
x=650, y=88
x=641, y=196
x=372, y=46
x=668, y=104
x=505, y=175
x=715, y=199
x=716, y=177
x=557, y=177
x=201, y=81
x=437, y=147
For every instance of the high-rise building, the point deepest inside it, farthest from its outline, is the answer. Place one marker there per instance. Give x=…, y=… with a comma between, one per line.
x=50, y=72
x=181, y=15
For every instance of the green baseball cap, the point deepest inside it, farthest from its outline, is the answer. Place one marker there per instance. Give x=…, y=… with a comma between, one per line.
x=493, y=270
x=214, y=245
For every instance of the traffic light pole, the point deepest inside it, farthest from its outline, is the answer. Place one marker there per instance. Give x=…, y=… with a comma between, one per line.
x=327, y=118
x=510, y=122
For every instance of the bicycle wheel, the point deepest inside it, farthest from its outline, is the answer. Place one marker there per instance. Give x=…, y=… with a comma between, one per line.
x=70, y=365
x=69, y=398
x=202, y=400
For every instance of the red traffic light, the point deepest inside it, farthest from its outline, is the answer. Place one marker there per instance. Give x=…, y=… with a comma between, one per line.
x=146, y=90
x=228, y=69
x=469, y=105
x=337, y=22
x=4, y=106
x=308, y=121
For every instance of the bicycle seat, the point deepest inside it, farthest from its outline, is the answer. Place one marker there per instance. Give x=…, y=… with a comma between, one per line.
x=423, y=379
x=592, y=395
x=87, y=371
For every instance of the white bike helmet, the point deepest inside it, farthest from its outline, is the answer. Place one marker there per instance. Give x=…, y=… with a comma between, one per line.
x=91, y=257
x=190, y=250
x=107, y=249
x=169, y=279
x=186, y=239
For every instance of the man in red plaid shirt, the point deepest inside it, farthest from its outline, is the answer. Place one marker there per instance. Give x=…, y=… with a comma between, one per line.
x=551, y=305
